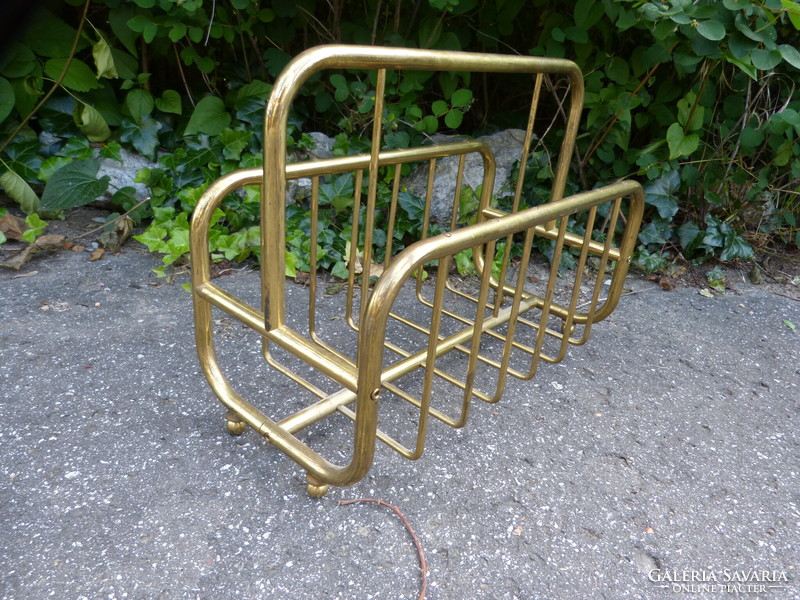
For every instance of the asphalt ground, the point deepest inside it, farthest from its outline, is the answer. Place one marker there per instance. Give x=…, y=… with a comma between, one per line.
x=658, y=461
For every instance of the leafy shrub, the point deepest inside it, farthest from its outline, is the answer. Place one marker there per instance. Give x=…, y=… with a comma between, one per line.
x=695, y=98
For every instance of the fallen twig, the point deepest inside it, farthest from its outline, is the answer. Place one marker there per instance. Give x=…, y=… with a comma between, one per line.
x=423, y=565
x=785, y=295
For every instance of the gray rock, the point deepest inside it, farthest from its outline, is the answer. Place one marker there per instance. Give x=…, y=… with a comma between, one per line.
x=507, y=148
x=298, y=190
x=122, y=174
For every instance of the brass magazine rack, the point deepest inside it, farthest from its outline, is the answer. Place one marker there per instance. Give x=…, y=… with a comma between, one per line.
x=414, y=340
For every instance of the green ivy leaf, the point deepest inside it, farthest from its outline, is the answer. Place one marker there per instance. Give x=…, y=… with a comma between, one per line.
x=209, y=117
x=337, y=193
x=680, y=143
x=690, y=236
x=79, y=76
x=153, y=238
x=736, y=247
x=19, y=190
x=234, y=141
x=36, y=227
x=711, y=30
x=661, y=193
x=289, y=265
x=650, y=234
x=74, y=185
x=7, y=98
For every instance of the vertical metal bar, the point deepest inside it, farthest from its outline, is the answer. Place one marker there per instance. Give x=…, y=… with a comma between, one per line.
x=426, y=219
x=377, y=125
x=472, y=364
x=512, y=321
x=576, y=285
x=526, y=145
x=430, y=361
x=392, y=215
x=601, y=269
x=548, y=297
x=312, y=260
x=523, y=163
x=568, y=144
x=457, y=193
x=351, y=265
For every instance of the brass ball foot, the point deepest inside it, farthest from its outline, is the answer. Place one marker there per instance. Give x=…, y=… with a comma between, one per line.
x=234, y=423
x=315, y=488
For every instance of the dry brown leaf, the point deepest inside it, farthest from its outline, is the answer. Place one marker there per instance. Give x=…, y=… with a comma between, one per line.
x=77, y=247
x=96, y=254
x=13, y=227
x=112, y=240
x=43, y=243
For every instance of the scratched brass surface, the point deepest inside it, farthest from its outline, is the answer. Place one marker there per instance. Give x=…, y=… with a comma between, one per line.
x=516, y=312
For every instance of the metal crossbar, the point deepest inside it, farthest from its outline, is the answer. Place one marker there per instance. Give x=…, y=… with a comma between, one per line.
x=434, y=345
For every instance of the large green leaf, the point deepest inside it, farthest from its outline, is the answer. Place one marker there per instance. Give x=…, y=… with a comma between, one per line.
x=17, y=60
x=118, y=18
x=650, y=234
x=74, y=185
x=6, y=98
x=790, y=54
x=680, y=143
x=140, y=103
x=209, y=117
x=793, y=10
x=170, y=102
x=143, y=136
x=617, y=70
x=18, y=189
x=765, y=60
x=461, y=98
x=49, y=35
x=234, y=142
x=104, y=60
x=91, y=123
x=690, y=236
x=711, y=30
x=690, y=112
x=79, y=76
x=661, y=193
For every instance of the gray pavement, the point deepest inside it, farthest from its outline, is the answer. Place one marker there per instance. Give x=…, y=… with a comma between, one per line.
x=669, y=442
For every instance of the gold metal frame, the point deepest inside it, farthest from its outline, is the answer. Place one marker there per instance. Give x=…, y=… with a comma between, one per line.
x=504, y=326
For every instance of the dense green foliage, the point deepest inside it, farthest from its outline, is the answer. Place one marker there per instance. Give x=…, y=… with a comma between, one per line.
x=695, y=98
